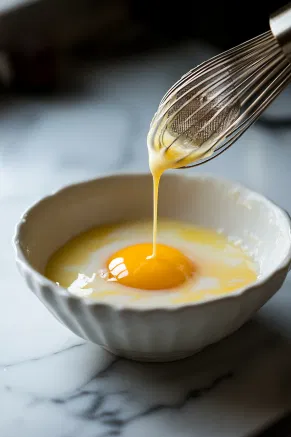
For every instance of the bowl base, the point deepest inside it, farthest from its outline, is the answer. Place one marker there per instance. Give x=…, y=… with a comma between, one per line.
x=149, y=357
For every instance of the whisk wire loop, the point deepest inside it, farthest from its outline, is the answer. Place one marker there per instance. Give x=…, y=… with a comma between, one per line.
x=213, y=104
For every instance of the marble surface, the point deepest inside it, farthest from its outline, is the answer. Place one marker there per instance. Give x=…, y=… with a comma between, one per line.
x=54, y=384
x=7, y=5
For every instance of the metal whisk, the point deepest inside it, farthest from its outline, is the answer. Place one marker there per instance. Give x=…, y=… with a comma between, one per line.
x=211, y=106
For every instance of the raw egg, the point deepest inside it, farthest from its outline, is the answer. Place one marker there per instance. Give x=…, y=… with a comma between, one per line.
x=115, y=264
x=134, y=266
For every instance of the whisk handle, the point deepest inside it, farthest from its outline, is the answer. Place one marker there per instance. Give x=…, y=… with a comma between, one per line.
x=280, y=24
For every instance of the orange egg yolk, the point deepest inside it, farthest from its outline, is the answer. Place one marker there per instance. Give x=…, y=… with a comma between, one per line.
x=134, y=267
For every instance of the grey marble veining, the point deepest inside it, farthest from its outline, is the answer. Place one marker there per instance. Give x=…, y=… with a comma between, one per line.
x=54, y=384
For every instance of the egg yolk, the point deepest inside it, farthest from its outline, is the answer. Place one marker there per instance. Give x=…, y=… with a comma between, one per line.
x=134, y=267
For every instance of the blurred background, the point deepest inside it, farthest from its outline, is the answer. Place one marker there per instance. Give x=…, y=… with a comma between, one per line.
x=38, y=36
x=81, y=80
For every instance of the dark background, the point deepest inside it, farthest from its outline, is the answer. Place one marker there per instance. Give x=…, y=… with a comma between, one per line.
x=40, y=37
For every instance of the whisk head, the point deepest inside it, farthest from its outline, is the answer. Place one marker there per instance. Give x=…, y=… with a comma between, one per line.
x=211, y=106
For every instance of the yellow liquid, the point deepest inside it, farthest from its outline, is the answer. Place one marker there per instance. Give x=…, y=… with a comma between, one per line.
x=159, y=162
x=156, y=183
x=221, y=266
x=170, y=154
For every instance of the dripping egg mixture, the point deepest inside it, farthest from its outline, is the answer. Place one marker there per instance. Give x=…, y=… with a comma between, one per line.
x=175, y=263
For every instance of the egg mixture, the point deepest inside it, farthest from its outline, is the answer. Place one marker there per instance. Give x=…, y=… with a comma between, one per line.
x=109, y=263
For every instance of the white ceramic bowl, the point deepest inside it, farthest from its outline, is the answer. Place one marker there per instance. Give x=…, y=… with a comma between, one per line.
x=173, y=331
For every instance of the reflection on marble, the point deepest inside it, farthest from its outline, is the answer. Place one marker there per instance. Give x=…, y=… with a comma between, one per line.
x=54, y=384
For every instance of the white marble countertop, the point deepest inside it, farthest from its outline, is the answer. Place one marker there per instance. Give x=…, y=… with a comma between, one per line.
x=53, y=384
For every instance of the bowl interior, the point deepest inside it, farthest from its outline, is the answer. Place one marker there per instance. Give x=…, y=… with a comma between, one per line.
x=205, y=201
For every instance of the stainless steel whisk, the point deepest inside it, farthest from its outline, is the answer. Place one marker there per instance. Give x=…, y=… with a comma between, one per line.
x=211, y=106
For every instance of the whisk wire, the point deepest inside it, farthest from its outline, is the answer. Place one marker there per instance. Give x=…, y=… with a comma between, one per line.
x=234, y=93
x=214, y=84
x=242, y=79
x=236, y=130
x=241, y=48
x=214, y=103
